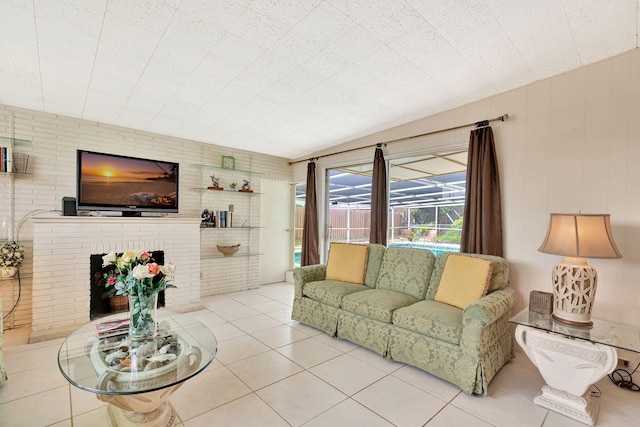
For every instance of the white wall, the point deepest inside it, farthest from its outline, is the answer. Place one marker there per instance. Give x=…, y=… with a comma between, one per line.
x=572, y=143
x=52, y=165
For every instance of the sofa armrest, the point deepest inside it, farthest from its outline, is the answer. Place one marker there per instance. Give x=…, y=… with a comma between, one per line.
x=489, y=308
x=306, y=274
x=480, y=320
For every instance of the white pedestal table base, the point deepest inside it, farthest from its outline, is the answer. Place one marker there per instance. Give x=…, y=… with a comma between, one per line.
x=569, y=367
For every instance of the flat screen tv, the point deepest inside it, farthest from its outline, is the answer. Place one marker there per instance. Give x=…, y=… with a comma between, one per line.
x=110, y=182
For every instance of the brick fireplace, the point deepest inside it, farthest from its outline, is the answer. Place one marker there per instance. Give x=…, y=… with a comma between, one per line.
x=62, y=247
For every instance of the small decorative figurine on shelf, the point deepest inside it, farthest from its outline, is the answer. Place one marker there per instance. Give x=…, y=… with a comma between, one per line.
x=208, y=219
x=215, y=183
x=233, y=186
x=246, y=188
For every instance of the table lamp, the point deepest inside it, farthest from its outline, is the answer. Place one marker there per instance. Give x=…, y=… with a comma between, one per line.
x=576, y=236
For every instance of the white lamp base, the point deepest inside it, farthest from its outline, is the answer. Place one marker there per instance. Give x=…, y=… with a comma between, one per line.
x=574, y=290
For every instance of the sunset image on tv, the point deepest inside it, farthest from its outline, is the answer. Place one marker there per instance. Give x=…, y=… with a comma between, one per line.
x=121, y=181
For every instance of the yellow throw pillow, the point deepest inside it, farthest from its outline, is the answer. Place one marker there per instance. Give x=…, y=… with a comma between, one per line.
x=347, y=262
x=464, y=280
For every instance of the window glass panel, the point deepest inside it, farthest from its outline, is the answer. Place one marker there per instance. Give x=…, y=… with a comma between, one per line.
x=298, y=222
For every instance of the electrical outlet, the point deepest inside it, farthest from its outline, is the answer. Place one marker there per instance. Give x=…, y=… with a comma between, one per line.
x=623, y=363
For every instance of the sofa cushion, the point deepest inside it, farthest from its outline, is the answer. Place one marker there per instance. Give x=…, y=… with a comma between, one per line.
x=499, y=274
x=406, y=270
x=432, y=318
x=330, y=291
x=347, y=262
x=374, y=261
x=464, y=280
x=377, y=304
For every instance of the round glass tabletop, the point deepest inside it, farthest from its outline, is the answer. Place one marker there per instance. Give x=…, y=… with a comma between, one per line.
x=116, y=365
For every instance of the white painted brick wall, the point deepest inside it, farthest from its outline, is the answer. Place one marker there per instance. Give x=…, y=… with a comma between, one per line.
x=52, y=168
x=64, y=245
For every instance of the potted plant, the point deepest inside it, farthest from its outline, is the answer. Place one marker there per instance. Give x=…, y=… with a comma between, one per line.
x=105, y=280
x=11, y=257
x=233, y=186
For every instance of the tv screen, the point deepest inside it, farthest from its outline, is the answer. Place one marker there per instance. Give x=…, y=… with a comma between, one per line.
x=109, y=182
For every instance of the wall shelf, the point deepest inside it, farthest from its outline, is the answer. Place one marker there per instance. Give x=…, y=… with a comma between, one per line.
x=242, y=267
x=237, y=255
x=232, y=171
x=244, y=193
x=229, y=228
x=16, y=141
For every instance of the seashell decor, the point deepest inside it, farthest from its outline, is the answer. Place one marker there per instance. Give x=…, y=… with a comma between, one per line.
x=125, y=355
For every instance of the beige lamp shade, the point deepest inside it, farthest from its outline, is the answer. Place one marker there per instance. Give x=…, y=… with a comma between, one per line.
x=576, y=236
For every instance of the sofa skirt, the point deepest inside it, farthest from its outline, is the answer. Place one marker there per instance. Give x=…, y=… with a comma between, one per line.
x=364, y=331
x=448, y=361
x=316, y=314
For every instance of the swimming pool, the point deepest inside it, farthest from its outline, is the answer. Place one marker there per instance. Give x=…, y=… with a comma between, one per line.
x=436, y=249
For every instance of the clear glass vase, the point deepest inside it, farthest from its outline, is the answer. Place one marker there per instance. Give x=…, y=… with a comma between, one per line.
x=142, y=316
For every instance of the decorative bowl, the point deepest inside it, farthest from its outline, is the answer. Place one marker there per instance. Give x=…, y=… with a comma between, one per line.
x=228, y=250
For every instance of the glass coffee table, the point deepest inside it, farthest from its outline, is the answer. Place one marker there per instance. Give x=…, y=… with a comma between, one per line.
x=572, y=358
x=137, y=377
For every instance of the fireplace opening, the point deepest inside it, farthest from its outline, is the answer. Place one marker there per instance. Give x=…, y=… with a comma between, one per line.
x=100, y=305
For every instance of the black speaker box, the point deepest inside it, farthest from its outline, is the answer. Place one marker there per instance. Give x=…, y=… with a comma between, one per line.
x=69, y=206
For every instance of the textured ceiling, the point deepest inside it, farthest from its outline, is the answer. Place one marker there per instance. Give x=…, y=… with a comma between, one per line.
x=290, y=77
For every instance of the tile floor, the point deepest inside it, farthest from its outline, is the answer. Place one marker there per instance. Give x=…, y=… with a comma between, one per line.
x=271, y=371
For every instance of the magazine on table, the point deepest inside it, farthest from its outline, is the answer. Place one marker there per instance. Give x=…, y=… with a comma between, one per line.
x=112, y=328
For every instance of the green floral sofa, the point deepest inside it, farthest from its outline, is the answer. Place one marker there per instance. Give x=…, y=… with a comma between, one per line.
x=394, y=313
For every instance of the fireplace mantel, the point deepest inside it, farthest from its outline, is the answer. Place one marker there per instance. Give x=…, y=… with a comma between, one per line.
x=62, y=246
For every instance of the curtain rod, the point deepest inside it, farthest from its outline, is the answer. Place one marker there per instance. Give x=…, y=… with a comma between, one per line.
x=482, y=123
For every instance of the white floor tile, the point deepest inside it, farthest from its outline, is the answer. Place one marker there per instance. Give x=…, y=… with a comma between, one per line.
x=528, y=383
x=342, y=345
x=283, y=315
x=348, y=414
x=84, y=401
x=264, y=369
x=31, y=359
x=301, y=397
x=347, y=374
x=207, y=391
x=501, y=409
x=247, y=411
x=226, y=331
x=239, y=348
x=33, y=381
x=279, y=336
x=256, y=323
x=309, y=352
x=272, y=293
x=452, y=416
x=400, y=403
x=375, y=360
x=232, y=314
x=433, y=385
x=52, y=406
x=272, y=362
x=270, y=307
x=96, y=418
x=248, y=297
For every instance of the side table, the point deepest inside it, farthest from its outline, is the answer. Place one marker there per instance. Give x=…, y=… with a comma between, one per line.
x=571, y=359
x=182, y=349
